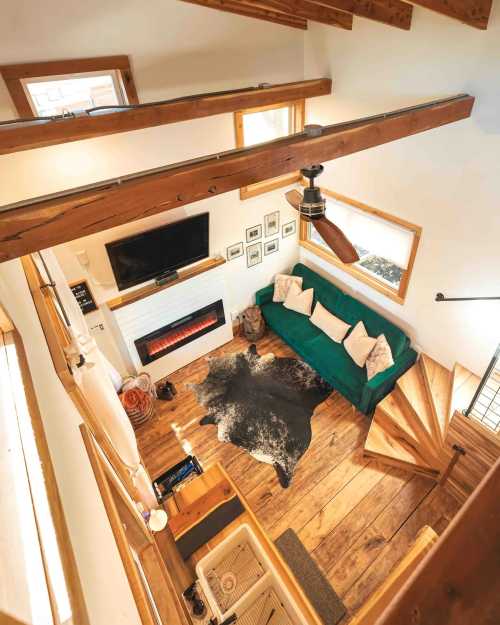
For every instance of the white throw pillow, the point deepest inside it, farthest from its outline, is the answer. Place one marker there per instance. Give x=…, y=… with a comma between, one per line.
x=282, y=283
x=331, y=325
x=359, y=345
x=380, y=357
x=299, y=300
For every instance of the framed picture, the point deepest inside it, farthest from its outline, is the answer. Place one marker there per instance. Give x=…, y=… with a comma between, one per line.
x=254, y=233
x=271, y=246
x=254, y=254
x=234, y=251
x=272, y=223
x=289, y=229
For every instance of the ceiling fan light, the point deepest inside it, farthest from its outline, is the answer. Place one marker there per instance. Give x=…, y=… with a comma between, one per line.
x=313, y=204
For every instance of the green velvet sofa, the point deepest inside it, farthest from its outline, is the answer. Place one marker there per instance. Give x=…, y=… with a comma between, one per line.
x=328, y=358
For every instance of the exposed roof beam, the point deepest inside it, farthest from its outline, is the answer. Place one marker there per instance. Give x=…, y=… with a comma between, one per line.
x=235, y=6
x=309, y=10
x=15, y=138
x=472, y=12
x=391, y=12
x=42, y=223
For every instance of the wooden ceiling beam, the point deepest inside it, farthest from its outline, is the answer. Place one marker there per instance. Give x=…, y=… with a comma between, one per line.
x=42, y=223
x=390, y=12
x=15, y=138
x=475, y=13
x=238, y=7
x=310, y=11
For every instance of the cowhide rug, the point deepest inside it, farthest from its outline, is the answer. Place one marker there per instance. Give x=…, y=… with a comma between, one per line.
x=263, y=404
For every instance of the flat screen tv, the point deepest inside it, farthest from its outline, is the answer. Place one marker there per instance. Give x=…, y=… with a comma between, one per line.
x=149, y=254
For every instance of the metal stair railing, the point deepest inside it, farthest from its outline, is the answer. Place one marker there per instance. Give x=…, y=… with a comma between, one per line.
x=485, y=405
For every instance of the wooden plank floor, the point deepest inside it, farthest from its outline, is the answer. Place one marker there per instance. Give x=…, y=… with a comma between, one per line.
x=356, y=517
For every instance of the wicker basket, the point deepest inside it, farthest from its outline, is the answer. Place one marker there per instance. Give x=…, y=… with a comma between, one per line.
x=138, y=398
x=253, y=323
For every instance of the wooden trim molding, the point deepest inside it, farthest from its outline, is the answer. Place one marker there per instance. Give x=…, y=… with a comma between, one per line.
x=389, y=12
x=134, y=579
x=151, y=289
x=397, y=295
x=297, y=120
x=14, y=74
x=474, y=13
x=45, y=222
x=57, y=337
x=258, y=12
x=130, y=532
x=63, y=539
x=307, y=10
x=30, y=136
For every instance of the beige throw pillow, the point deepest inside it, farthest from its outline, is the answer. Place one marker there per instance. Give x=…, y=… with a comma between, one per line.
x=380, y=357
x=299, y=300
x=359, y=345
x=331, y=325
x=282, y=283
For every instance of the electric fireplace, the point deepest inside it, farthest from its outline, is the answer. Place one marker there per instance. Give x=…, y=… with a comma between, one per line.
x=179, y=333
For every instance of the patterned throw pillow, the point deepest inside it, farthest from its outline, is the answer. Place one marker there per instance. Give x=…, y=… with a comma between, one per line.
x=282, y=283
x=359, y=345
x=380, y=358
x=298, y=300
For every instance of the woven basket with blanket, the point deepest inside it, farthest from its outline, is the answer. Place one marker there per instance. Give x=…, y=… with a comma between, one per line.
x=138, y=398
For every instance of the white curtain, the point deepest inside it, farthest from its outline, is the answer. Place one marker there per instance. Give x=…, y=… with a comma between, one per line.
x=375, y=234
x=95, y=383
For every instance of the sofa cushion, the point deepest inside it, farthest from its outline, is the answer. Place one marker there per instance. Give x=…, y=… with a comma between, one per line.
x=351, y=311
x=333, y=360
x=293, y=326
x=359, y=345
x=324, y=290
x=299, y=300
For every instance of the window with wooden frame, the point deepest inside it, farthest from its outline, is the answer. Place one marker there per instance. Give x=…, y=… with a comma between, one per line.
x=265, y=123
x=386, y=245
x=38, y=564
x=58, y=87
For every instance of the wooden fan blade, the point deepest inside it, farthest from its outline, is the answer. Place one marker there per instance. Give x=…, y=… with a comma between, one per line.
x=294, y=198
x=336, y=240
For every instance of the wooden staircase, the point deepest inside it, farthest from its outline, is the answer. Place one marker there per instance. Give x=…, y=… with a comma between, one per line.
x=410, y=426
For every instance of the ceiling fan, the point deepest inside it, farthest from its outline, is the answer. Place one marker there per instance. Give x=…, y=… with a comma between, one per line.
x=311, y=207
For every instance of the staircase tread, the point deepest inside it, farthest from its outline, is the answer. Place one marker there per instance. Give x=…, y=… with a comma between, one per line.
x=465, y=384
x=381, y=443
x=396, y=413
x=439, y=378
x=412, y=387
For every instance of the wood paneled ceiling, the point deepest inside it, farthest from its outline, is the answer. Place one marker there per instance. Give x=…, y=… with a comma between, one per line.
x=339, y=13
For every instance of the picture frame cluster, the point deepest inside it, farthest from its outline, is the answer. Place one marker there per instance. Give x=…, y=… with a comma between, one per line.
x=255, y=247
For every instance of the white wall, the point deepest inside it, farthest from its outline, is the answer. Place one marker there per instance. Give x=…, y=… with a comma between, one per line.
x=228, y=219
x=176, y=49
x=446, y=180
x=105, y=587
x=173, y=45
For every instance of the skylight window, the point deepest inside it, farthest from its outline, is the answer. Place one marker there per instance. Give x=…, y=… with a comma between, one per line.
x=266, y=123
x=57, y=87
x=57, y=95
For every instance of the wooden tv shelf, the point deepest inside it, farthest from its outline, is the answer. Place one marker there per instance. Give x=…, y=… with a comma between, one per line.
x=151, y=289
